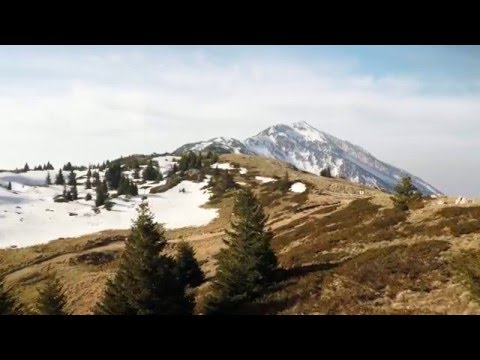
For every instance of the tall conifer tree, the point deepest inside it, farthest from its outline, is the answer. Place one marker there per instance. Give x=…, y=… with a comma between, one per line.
x=51, y=299
x=145, y=282
x=246, y=266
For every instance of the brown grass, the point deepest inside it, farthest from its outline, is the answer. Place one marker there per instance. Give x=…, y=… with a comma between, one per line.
x=467, y=265
x=358, y=285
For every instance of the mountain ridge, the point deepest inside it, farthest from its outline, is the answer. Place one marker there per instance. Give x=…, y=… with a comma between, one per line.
x=312, y=150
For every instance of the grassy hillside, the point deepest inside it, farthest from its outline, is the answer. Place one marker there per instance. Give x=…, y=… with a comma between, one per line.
x=342, y=248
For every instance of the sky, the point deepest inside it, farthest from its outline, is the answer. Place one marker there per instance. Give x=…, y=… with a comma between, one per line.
x=414, y=107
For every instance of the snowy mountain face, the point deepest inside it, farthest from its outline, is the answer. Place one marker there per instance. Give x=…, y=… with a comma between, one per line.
x=312, y=150
x=220, y=145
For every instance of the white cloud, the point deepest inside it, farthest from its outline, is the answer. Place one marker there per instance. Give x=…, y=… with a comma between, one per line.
x=93, y=107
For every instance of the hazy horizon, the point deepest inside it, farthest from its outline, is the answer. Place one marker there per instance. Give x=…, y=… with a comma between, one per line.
x=414, y=107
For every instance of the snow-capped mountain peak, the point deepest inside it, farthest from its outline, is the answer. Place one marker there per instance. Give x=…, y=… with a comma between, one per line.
x=312, y=150
x=309, y=132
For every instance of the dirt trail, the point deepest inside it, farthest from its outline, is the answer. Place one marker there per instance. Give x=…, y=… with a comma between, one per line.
x=118, y=245
x=61, y=258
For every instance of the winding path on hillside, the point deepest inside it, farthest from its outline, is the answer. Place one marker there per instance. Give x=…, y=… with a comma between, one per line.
x=120, y=244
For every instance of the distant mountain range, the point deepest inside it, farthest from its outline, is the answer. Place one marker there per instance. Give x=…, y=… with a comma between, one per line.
x=312, y=150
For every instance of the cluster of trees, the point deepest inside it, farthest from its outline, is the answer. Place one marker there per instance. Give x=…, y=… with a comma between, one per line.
x=117, y=181
x=405, y=192
x=114, y=180
x=212, y=156
x=221, y=182
x=150, y=173
x=70, y=194
x=148, y=281
x=47, y=166
x=26, y=167
x=96, y=179
x=69, y=167
x=127, y=187
x=59, y=179
x=190, y=160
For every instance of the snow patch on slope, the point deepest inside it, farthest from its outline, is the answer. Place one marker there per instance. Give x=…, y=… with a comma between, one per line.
x=223, y=166
x=264, y=179
x=298, y=187
x=32, y=217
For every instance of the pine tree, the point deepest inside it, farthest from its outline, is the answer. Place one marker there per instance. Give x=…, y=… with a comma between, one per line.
x=104, y=186
x=145, y=282
x=102, y=196
x=132, y=188
x=74, y=192
x=326, y=172
x=150, y=173
x=135, y=164
x=174, y=168
x=60, y=180
x=26, y=168
x=89, y=172
x=48, y=180
x=51, y=299
x=188, y=269
x=198, y=161
x=246, y=266
x=72, y=179
x=284, y=183
x=88, y=183
x=68, y=167
x=136, y=174
x=113, y=175
x=9, y=186
x=8, y=304
x=67, y=195
x=96, y=179
x=405, y=192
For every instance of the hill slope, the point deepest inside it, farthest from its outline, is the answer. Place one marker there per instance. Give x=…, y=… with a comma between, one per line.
x=342, y=249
